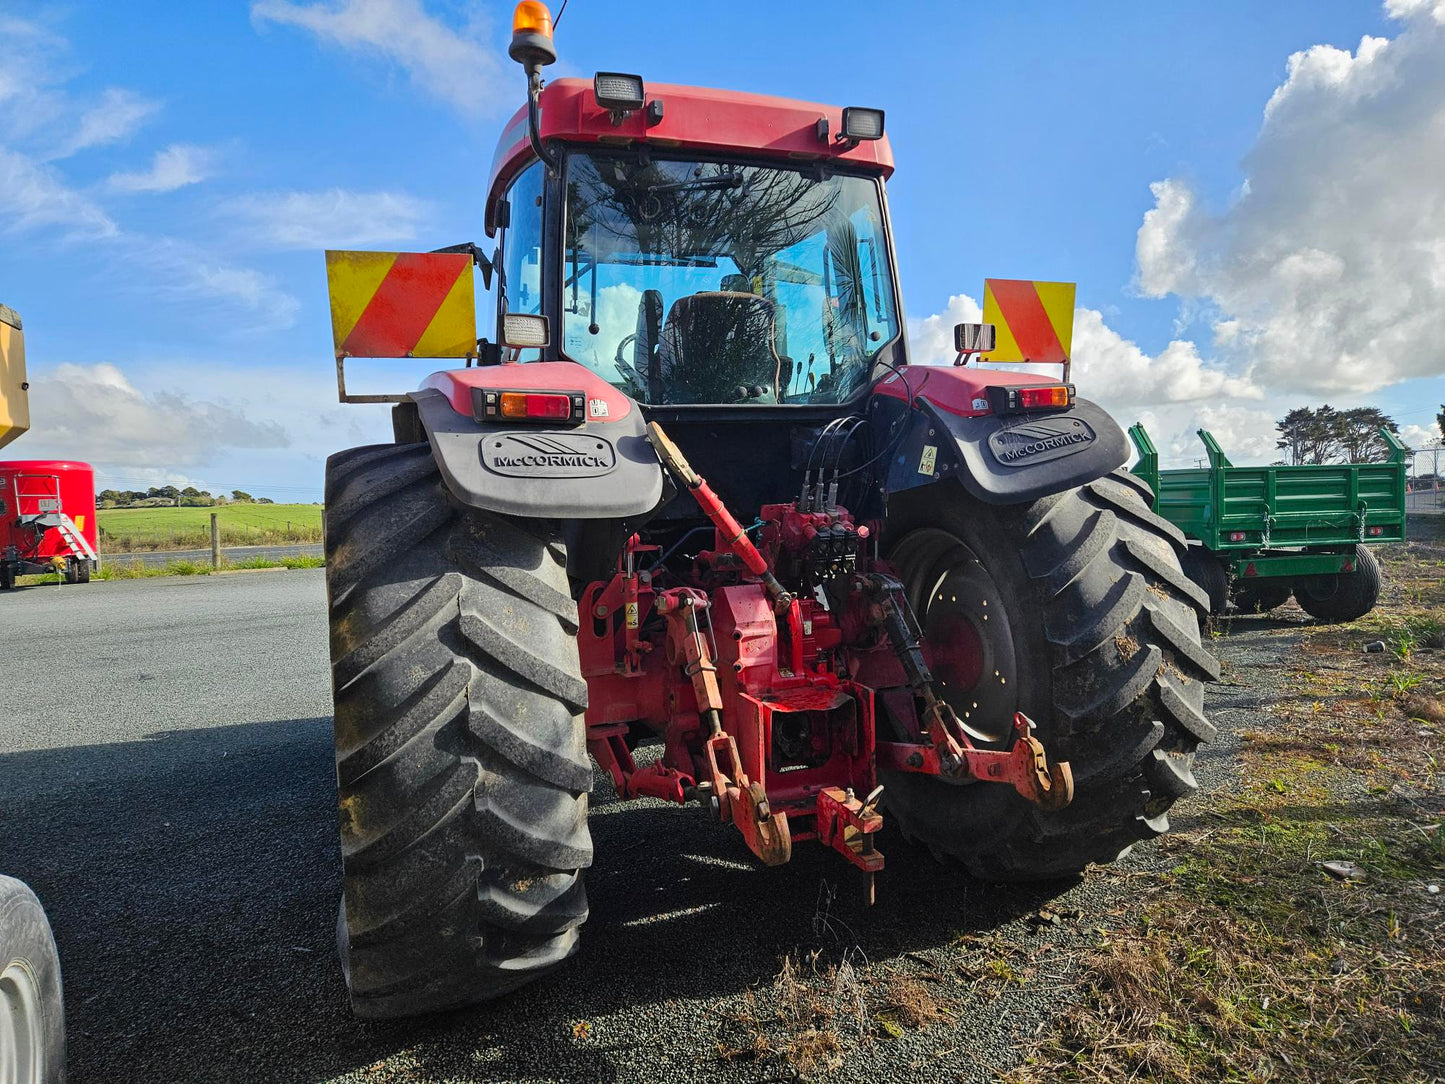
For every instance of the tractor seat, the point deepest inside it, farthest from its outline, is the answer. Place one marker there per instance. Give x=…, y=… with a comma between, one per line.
x=717, y=347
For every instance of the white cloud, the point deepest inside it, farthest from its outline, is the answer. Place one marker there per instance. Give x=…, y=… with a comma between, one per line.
x=1406, y=9
x=37, y=199
x=1246, y=433
x=455, y=66
x=1116, y=371
x=177, y=166
x=1327, y=272
x=27, y=102
x=335, y=218
x=115, y=117
x=95, y=413
x=35, y=196
x=189, y=272
x=1421, y=436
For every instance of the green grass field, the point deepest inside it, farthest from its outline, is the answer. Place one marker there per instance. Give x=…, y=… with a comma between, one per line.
x=125, y=530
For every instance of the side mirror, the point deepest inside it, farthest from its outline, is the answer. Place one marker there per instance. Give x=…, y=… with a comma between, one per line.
x=973, y=338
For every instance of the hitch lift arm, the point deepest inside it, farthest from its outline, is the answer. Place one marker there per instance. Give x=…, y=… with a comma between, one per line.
x=1024, y=765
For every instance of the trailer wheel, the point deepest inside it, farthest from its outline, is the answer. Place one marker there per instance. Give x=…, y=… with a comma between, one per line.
x=1260, y=596
x=462, y=772
x=32, y=1012
x=1208, y=574
x=1075, y=611
x=1343, y=597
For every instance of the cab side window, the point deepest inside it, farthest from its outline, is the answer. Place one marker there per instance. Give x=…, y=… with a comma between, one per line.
x=520, y=288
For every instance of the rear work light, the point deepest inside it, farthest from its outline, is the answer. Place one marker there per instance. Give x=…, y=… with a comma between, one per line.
x=528, y=406
x=860, y=124
x=618, y=92
x=1009, y=400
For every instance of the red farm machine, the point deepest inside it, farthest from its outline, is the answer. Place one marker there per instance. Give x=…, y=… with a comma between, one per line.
x=693, y=513
x=48, y=509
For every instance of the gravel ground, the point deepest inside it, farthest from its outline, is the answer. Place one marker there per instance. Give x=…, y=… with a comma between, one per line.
x=168, y=789
x=158, y=558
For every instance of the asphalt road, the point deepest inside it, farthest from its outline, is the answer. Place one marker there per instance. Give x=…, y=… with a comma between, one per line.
x=168, y=791
x=158, y=558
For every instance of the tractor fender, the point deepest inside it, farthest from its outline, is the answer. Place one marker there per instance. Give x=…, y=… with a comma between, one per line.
x=1004, y=459
x=603, y=468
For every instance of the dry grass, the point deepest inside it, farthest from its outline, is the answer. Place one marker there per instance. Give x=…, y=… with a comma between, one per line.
x=1428, y=709
x=813, y=1010
x=1246, y=960
x=910, y=1002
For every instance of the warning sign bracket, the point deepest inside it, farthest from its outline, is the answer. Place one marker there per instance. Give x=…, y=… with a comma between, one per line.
x=343, y=396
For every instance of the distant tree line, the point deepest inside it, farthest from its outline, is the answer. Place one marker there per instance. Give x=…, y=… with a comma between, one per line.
x=172, y=497
x=1326, y=435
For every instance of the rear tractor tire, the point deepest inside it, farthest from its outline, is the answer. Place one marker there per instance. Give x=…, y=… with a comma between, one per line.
x=1342, y=597
x=1074, y=610
x=1208, y=575
x=461, y=767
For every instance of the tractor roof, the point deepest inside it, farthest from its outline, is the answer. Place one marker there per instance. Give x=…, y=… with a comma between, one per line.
x=693, y=119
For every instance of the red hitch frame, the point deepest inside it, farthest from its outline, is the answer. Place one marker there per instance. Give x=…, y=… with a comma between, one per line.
x=756, y=691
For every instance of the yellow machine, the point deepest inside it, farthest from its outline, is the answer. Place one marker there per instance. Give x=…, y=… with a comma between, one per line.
x=14, y=397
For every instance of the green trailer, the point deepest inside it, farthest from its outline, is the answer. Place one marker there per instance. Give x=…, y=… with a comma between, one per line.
x=1259, y=534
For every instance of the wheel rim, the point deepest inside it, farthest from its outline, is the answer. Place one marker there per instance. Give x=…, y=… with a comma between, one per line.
x=1319, y=588
x=21, y=1042
x=966, y=630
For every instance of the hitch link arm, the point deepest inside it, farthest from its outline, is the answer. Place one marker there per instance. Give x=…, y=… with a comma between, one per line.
x=1024, y=765
x=740, y=800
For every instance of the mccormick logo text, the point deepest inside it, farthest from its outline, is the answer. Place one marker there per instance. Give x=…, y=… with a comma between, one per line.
x=1047, y=444
x=537, y=455
x=1037, y=442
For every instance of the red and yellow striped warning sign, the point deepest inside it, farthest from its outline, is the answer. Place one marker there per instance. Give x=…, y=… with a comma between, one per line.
x=402, y=304
x=1033, y=321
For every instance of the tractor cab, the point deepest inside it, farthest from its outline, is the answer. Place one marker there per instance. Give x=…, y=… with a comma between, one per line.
x=685, y=276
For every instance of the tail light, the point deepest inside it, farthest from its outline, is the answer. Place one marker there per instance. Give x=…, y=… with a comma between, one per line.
x=1375, y=532
x=558, y=407
x=1236, y=536
x=1013, y=400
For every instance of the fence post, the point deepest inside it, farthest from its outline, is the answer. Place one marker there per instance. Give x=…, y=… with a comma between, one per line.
x=215, y=543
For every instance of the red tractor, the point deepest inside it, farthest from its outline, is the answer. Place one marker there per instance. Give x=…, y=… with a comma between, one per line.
x=695, y=514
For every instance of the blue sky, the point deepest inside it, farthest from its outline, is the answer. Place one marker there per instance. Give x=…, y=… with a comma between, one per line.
x=170, y=173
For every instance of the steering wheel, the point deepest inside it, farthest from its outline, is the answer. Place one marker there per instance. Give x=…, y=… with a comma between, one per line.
x=628, y=370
